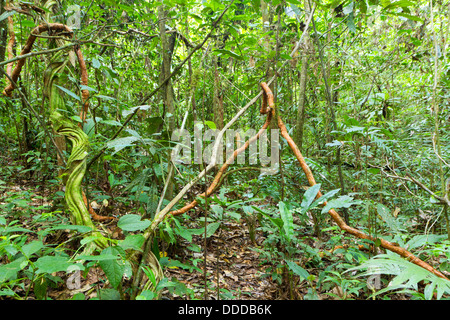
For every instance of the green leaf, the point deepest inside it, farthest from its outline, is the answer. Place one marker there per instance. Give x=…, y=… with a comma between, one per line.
x=132, y=222
x=408, y=16
x=341, y=202
x=95, y=63
x=297, y=269
x=386, y=215
x=40, y=288
x=32, y=247
x=70, y=93
x=351, y=23
x=113, y=268
x=132, y=241
x=84, y=87
x=211, y=125
x=27, y=23
x=126, y=113
x=100, y=257
x=9, y=271
x=50, y=264
x=108, y=98
x=288, y=220
x=308, y=197
x=109, y=294
x=228, y=53
x=211, y=228
x=121, y=143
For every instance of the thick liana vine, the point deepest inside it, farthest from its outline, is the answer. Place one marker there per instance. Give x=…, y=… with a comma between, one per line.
x=76, y=164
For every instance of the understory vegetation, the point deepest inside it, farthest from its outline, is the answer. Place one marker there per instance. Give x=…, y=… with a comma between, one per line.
x=117, y=119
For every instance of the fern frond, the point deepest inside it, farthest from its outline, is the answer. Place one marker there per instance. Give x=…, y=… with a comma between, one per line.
x=406, y=275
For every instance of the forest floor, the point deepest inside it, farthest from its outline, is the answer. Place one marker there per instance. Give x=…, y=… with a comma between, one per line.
x=232, y=259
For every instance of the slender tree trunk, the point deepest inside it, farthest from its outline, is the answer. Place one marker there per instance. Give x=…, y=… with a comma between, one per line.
x=302, y=88
x=218, y=97
x=3, y=34
x=167, y=88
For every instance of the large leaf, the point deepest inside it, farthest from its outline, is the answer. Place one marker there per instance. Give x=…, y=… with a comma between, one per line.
x=132, y=222
x=32, y=247
x=308, y=197
x=229, y=53
x=211, y=228
x=297, y=269
x=288, y=220
x=341, y=202
x=407, y=275
x=126, y=113
x=9, y=271
x=50, y=264
x=113, y=268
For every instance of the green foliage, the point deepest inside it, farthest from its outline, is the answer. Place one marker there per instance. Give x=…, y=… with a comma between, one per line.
x=406, y=276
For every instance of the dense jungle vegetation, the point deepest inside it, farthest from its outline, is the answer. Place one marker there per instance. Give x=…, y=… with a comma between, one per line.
x=340, y=192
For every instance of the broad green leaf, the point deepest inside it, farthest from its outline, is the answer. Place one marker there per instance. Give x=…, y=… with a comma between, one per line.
x=308, y=197
x=288, y=220
x=27, y=23
x=50, y=264
x=228, y=53
x=9, y=271
x=100, y=257
x=211, y=228
x=132, y=241
x=103, y=97
x=297, y=269
x=211, y=125
x=90, y=89
x=132, y=222
x=408, y=16
x=111, y=122
x=113, y=268
x=95, y=63
x=341, y=202
x=351, y=22
x=32, y=247
x=325, y=197
x=40, y=288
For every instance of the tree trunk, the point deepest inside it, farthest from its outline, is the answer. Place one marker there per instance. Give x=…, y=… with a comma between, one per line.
x=302, y=88
x=218, y=97
x=3, y=34
x=167, y=89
